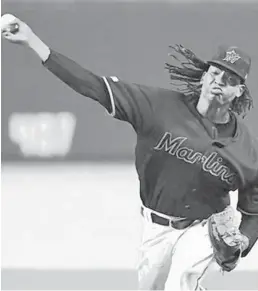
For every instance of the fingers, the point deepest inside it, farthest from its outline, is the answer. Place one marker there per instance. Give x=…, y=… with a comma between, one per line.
x=12, y=37
x=14, y=28
x=10, y=23
x=6, y=33
x=15, y=23
x=10, y=30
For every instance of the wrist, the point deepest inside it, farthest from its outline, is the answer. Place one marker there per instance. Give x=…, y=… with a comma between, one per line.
x=39, y=47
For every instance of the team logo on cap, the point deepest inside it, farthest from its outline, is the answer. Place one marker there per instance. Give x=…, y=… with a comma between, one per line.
x=232, y=57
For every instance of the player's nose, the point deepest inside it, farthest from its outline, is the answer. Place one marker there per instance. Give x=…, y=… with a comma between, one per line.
x=219, y=79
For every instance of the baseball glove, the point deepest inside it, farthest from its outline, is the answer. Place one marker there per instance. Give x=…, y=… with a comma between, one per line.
x=227, y=241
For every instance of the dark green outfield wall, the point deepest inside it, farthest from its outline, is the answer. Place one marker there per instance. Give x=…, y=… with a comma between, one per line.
x=129, y=40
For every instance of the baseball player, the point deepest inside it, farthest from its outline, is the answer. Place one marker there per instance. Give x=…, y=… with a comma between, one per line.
x=192, y=150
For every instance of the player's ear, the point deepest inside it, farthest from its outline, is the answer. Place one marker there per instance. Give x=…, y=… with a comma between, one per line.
x=240, y=90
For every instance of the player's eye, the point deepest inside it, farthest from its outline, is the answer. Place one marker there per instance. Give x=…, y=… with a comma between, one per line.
x=215, y=72
x=231, y=79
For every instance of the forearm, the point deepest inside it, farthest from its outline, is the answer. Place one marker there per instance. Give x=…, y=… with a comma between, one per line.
x=249, y=228
x=39, y=47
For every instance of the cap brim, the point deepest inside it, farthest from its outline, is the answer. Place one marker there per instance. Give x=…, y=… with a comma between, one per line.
x=224, y=65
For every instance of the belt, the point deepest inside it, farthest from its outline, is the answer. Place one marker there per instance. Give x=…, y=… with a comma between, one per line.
x=175, y=222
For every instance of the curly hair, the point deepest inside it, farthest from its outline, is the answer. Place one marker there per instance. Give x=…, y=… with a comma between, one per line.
x=186, y=78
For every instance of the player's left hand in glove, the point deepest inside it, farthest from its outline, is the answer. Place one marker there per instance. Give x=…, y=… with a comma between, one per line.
x=227, y=241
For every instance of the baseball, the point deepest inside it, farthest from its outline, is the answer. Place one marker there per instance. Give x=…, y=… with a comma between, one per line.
x=6, y=21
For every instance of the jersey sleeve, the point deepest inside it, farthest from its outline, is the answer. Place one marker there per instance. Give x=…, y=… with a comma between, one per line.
x=248, y=193
x=248, y=206
x=78, y=78
x=125, y=101
x=134, y=103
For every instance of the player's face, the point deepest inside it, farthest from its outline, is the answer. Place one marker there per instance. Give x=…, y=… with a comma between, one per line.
x=221, y=85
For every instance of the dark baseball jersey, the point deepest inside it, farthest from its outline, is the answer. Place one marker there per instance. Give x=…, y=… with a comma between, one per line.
x=185, y=166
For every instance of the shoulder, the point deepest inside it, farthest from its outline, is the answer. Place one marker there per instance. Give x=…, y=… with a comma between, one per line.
x=162, y=97
x=248, y=142
x=161, y=92
x=246, y=136
x=145, y=89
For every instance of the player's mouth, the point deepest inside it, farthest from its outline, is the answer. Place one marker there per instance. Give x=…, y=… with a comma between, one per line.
x=217, y=94
x=216, y=91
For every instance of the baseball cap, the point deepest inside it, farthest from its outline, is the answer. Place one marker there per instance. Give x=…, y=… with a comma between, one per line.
x=233, y=59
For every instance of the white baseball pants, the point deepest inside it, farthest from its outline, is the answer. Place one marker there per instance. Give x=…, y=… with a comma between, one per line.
x=172, y=259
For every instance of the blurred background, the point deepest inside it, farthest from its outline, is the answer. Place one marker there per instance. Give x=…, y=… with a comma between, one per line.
x=70, y=202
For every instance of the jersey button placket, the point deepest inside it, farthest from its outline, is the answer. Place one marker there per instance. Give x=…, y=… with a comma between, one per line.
x=193, y=186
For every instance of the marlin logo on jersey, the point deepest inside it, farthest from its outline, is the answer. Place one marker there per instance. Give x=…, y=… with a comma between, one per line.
x=211, y=163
